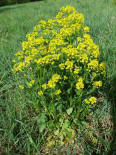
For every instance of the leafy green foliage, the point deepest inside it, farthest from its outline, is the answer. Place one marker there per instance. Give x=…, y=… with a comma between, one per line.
x=114, y=2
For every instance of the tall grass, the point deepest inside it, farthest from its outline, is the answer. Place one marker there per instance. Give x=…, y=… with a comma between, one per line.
x=18, y=129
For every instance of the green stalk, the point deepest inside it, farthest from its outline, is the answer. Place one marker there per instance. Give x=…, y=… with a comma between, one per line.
x=46, y=108
x=71, y=95
x=79, y=106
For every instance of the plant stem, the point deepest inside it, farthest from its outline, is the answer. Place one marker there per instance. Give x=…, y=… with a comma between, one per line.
x=79, y=106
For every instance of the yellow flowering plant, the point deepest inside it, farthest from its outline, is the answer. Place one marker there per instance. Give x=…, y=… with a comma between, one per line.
x=60, y=68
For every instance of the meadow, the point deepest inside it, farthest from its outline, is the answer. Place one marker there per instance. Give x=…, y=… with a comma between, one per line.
x=18, y=124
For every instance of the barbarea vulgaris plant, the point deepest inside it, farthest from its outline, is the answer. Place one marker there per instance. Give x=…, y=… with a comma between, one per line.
x=60, y=70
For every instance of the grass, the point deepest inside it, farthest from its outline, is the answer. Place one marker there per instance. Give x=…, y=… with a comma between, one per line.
x=18, y=130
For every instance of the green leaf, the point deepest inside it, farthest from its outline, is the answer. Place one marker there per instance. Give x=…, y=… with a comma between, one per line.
x=66, y=124
x=51, y=123
x=69, y=111
x=69, y=91
x=42, y=127
x=61, y=121
x=41, y=118
x=56, y=132
x=90, y=91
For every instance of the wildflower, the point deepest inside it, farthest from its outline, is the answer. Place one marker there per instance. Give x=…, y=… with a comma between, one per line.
x=76, y=70
x=97, y=84
x=93, y=64
x=69, y=65
x=80, y=84
x=52, y=82
x=30, y=84
x=28, y=60
x=40, y=93
x=102, y=66
x=18, y=67
x=19, y=53
x=25, y=45
x=21, y=86
x=86, y=29
x=44, y=86
x=95, y=53
x=84, y=58
x=91, y=100
x=62, y=47
x=65, y=77
x=59, y=15
x=56, y=77
x=87, y=101
x=58, y=92
x=103, y=73
x=79, y=39
x=13, y=60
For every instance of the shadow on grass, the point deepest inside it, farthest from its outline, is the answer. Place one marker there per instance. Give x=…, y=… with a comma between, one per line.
x=111, y=92
x=10, y=7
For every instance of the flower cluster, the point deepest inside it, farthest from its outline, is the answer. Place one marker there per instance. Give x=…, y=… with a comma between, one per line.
x=52, y=82
x=91, y=100
x=60, y=58
x=79, y=84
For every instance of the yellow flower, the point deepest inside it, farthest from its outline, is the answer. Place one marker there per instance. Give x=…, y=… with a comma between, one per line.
x=97, y=83
x=86, y=29
x=52, y=82
x=102, y=68
x=79, y=39
x=25, y=45
x=69, y=64
x=58, y=92
x=70, y=51
x=84, y=58
x=28, y=60
x=91, y=100
x=65, y=77
x=30, y=84
x=103, y=73
x=67, y=9
x=13, y=60
x=44, y=86
x=86, y=36
x=18, y=67
x=59, y=15
x=80, y=84
x=40, y=93
x=95, y=52
x=19, y=53
x=87, y=101
x=76, y=70
x=93, y=64
x=56, y=77
x=21, y=86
